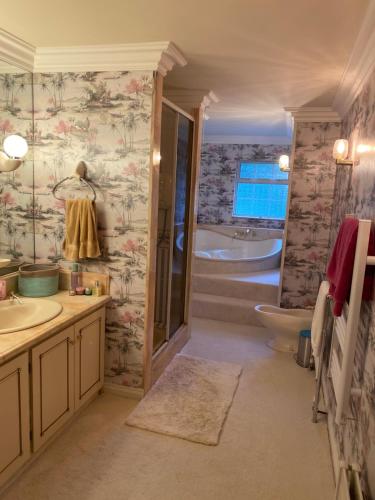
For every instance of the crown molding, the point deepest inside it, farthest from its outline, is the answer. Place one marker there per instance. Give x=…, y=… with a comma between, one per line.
x=314, y=114
x=188, y=99
x=16, y=52
x=153, y=56
x=360, y=66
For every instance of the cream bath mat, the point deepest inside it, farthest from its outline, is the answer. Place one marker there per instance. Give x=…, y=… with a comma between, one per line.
x=190, y=400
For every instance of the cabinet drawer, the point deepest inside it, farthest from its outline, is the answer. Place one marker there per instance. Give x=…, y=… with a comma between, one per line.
x=89, y=356
x=53, y=385
x=14, y=416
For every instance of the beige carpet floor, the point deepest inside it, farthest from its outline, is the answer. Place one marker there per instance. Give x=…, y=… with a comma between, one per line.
x=269, y=449
x=190, y=400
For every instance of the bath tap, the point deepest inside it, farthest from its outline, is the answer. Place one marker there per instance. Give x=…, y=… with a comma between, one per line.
x=14, y=297
x=241, y=234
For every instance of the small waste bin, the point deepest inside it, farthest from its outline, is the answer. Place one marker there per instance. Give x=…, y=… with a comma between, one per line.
x=304, y=348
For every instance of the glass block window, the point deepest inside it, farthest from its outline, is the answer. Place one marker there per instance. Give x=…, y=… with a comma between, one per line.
x=261, y=191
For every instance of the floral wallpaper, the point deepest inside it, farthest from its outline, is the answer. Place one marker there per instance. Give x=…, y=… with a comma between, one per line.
x=103, y=118
x=310, y=211
x=355, y=193
x=16, y=188
x=217, y=181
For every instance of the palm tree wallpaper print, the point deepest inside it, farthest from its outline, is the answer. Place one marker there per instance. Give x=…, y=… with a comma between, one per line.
x=355, y=194
x=218, y=172
x=310, y=212
x=16, y=188
x=103, y=118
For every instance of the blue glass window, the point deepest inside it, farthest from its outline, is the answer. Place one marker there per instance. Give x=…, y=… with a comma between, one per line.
x=261, y=191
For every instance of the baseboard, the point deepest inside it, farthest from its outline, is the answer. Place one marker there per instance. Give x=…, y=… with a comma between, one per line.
x=124, y=391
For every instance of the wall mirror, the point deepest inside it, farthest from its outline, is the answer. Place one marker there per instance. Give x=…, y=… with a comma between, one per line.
x=16, y=187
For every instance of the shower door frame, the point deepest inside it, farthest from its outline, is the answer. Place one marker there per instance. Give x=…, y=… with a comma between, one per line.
x=155, y=363
x=184, y=325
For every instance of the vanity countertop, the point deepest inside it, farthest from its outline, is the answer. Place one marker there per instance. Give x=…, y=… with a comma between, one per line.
x=74, y=308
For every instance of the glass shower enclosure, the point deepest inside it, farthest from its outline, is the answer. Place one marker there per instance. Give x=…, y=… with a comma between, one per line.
x=173, y=223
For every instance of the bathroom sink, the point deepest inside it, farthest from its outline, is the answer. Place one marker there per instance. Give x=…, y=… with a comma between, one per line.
x=15, y=316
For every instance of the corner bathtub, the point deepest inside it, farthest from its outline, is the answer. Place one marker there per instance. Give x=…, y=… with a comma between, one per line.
x=221, y=253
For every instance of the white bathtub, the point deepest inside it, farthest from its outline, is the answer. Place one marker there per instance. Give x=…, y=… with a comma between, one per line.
x=221, y=253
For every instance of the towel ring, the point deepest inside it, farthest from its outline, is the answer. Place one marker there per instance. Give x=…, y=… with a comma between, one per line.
x=81, y=171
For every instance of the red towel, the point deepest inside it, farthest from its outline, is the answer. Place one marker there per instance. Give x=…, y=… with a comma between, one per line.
x=340, y=267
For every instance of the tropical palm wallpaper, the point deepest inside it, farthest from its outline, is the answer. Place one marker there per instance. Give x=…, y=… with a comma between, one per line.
x=103, y=118
x=355, y=194
x=310, y=212
x=16, y=188
x=219, y=164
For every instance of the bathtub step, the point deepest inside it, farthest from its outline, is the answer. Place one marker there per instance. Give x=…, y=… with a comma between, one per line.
x=221, y=308
x=262, y=286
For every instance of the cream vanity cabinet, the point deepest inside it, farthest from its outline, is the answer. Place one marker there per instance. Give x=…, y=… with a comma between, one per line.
x=41, y=389
x=14, y=416
x=67, y=370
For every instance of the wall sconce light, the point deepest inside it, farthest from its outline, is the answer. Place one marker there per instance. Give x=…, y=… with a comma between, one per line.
x=15, y=148
x=340, y=152
x=284, y=163
x=363, y=149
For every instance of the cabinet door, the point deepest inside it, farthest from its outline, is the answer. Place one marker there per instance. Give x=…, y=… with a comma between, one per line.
x=14, y=416
x=89, y=356
x=53, y=385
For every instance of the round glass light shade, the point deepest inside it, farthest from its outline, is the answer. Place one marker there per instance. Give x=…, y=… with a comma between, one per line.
x=340, y=149
x=15, y=146
x=284, y=163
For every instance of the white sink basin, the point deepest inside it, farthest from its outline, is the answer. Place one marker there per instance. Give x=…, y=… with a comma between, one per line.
x=32, y=312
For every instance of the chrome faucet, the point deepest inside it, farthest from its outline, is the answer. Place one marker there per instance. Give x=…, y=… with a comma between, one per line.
x=241, y=234
x=14, y=297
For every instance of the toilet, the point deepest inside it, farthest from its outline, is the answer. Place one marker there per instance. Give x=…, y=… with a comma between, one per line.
x=285, y=325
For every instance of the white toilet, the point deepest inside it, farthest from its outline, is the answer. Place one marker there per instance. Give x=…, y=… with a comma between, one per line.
x=285, y=324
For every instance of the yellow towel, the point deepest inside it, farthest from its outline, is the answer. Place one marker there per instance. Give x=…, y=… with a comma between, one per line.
x=81, y=238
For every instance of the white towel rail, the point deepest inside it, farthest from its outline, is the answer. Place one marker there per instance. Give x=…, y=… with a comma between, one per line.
x=345, y=330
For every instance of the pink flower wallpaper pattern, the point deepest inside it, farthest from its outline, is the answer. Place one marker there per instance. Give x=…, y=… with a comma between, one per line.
x=16, y=188
x=310, y=211
x=355, y=194
x=104, y=119
x=219, y=164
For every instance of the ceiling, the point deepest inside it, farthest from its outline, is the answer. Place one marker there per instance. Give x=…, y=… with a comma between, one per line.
x=257, y=56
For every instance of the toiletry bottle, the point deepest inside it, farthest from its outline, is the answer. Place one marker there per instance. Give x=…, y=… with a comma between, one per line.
x=74, y=278
x=97, y=290
x=3, y=289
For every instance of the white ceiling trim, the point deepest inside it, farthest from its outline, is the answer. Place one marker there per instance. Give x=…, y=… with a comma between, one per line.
x=314, y=114
x=360, y=66
x=277, y=140
x=16, y=52
x=191, y=98
x=154, y=56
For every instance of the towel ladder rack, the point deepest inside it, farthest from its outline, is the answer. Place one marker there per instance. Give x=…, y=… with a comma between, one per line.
x=345, y=329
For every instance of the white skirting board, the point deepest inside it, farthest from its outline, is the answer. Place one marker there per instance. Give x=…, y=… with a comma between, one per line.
x=124, y=391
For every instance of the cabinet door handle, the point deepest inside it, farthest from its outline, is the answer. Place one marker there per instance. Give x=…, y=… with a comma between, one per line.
x=79, y=335
x=70, y=341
